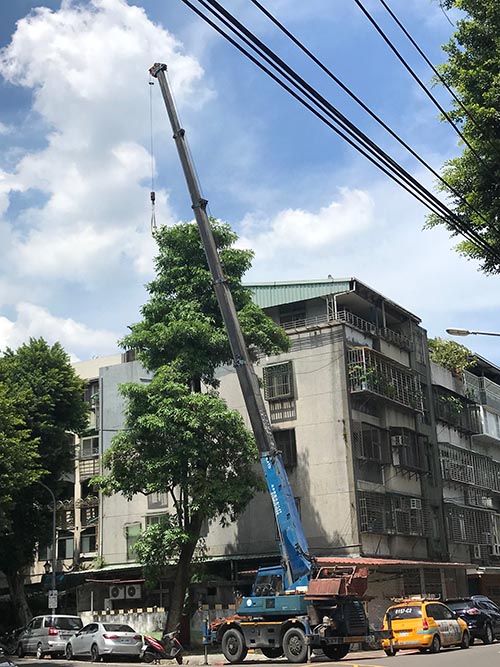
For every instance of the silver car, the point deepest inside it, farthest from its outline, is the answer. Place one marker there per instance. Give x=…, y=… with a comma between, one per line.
x=103, y=639
x=47, y=635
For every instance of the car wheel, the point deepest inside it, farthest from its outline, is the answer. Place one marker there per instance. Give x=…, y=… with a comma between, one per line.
x=233, y=646
x=94, y=653
x=488, y=635
x=148, y=656
x=294, y=645
x=465, y=643
x=20, y=651
x=69, y=652
x=39, y=652
x=471, y=641
x=391, y=652
x=435, y=645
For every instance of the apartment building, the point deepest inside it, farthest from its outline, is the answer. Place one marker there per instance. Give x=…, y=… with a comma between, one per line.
x=353, y=409
x=468, y=427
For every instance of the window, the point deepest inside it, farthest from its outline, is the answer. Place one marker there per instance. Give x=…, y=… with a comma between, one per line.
x=153, y=519
x=45, y=553
x=89, y=542
x=65, y=547
x=91, y=392
x=409, y=449
x=292, y=314
x=132, y=534
x=278, y=381
x=286, y=443
x=157, y=500
x=89, y=447
x=37, y=623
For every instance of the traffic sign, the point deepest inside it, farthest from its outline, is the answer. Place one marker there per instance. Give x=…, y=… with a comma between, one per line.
x=52, y=599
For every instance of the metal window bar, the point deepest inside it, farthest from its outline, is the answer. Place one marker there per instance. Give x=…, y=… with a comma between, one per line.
x=467, y=467
x=469, y=525
x=393, y=514
x=371, y=372
x=455, y=410
x=408, y=450
x=278, y=381
x=88, y=468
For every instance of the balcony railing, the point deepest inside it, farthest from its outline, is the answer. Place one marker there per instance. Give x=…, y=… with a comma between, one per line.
x=371, y=372
x=482, y=390
x=88, y=501
x=88, y=468
x=467, y=467
x=89, y=516
x=353, y=321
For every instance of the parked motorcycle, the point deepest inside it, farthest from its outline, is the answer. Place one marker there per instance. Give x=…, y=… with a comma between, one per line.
x=4, y=661
x=168, y=648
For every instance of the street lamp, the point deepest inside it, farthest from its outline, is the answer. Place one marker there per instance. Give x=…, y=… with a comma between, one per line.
x=54, y=545
x=466, y=332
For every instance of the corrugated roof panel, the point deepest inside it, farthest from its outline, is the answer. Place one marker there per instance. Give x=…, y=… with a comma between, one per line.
x=267, y=295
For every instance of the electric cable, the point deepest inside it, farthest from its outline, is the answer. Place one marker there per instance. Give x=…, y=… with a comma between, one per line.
x=365, y=107
x=418, y=80
x=384, y=162
x=437, y=73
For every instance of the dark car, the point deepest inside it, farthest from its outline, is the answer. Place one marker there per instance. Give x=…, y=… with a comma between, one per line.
x=481, y=615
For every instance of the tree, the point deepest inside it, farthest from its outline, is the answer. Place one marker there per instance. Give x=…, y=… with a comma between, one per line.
x=450, y=354
x=180, y=437
x=473, y=71
x=51, y=407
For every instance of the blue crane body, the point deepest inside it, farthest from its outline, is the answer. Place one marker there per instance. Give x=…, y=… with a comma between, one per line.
x=296, y=606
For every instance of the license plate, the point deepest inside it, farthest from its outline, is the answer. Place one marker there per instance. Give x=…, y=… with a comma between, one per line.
x=126, y=640
x=403, y=634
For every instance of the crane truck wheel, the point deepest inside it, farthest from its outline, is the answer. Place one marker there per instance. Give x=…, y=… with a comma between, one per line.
x=294, y=645
x=335, y=651
x=272, y=652
x=233, y=646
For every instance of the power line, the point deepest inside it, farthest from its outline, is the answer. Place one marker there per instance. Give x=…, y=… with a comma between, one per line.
x=347, y=130
x=365, y=107
x=418, y=80
x=437, y=73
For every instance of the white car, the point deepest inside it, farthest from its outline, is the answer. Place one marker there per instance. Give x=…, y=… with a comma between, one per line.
x=102, y=639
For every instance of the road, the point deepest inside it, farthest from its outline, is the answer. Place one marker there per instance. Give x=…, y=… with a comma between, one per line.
x=478, y=655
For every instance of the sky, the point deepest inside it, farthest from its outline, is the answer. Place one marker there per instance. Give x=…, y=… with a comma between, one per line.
x=78, y=119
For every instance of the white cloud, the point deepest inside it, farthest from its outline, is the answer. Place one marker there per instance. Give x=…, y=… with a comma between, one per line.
x=87, y=67
x=35, y=321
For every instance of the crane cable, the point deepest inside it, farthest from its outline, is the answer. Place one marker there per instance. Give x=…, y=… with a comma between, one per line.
x=388, y=166
x=152, y=194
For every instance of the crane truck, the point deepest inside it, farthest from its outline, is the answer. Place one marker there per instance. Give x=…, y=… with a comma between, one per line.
x=297, y=606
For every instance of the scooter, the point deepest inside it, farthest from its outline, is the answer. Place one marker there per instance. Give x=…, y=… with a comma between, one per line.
x=168, y=648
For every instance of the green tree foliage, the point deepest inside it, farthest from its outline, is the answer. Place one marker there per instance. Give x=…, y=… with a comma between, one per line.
x=19, y=460
x=48, y=398
x=453, y=356
x=473, y=71
x=180, y=437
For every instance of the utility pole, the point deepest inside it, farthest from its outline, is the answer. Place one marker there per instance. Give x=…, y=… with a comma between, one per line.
x=53, y=592
x=242, y=363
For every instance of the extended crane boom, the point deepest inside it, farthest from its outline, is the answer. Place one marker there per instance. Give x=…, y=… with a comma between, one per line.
x=293, y=544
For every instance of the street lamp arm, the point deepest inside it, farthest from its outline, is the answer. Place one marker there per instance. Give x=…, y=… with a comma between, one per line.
x=466, y=332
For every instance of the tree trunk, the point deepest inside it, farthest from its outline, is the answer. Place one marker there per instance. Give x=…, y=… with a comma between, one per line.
x=15, y=581
x=182, y=575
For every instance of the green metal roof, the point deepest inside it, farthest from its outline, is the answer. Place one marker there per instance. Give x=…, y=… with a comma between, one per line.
x=267, y=295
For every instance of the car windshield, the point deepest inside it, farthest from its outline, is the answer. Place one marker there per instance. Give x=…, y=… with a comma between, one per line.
x=117, y=627
x=65, y=622
x=399, y=613
x=461, y=604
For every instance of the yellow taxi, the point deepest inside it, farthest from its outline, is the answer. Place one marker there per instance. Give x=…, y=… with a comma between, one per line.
x=426, y=625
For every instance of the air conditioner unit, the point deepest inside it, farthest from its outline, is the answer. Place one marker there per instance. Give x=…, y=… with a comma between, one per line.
x=108, y=604
x=495, y=549
x=133, y=591
x=117, y=592
x=415, y=504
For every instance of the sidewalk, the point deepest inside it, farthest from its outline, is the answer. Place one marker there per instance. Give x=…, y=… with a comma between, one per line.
x=255, y=656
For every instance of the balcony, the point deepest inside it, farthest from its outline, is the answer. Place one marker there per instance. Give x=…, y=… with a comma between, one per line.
x=466, y=525
x=371, y=372
x=482, y=391
x=456, y=411
x=88, y=468
x=353, y=321
x=393, y=514
x=464, y=466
